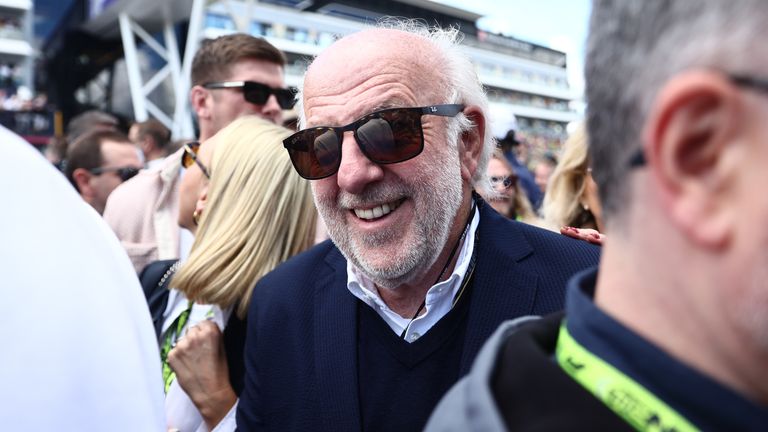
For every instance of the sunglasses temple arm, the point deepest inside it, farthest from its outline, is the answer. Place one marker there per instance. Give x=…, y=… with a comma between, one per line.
x=448, y=110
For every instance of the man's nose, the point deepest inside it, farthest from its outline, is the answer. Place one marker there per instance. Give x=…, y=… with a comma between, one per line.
x=356, y=171
x=271, y=110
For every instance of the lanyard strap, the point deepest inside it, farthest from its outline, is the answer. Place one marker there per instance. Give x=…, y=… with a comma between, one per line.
x=624, y=396
x=450, y=258
x=170, y=336
x=468, y=274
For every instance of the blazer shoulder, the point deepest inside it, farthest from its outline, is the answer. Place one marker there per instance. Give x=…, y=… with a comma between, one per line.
x=305, y=268
x=551, y=245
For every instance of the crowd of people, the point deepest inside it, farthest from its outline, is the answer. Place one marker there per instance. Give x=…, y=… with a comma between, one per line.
x=388, y=264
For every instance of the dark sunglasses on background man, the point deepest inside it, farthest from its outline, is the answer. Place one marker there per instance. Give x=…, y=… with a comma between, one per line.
x=385, y=137
x=504, y=181
x=258, y=93
x=189, y=157
x=125, y=173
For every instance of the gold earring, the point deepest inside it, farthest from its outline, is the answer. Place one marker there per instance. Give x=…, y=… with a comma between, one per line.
x=196, y=216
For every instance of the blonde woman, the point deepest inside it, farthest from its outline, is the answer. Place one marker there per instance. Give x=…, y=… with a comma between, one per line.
x=509, y=199
x=252, y=214
x=571, y=198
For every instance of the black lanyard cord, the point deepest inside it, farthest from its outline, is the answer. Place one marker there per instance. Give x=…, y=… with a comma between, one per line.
x=445, y=268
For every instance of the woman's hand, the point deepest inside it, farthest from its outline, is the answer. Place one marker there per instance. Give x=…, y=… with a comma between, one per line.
x=586, y=234
x=201, y=369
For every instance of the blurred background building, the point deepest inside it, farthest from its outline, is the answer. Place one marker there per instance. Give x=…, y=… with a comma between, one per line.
x=131, y=57
x=16, y=53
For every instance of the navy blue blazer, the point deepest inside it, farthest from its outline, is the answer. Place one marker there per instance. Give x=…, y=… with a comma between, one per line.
x=301, y=350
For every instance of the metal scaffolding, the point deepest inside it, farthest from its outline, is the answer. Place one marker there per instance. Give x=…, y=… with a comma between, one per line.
x=132, y=19
x=140, y=20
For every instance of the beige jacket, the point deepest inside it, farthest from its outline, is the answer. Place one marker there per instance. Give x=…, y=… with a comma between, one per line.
x=144, y=211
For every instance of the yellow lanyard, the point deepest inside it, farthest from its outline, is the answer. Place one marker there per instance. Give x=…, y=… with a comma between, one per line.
x=625, y=397
x=171, y=336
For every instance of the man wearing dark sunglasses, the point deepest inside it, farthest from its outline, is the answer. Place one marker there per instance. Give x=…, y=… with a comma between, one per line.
x=232, y=76
x=98, y=162
x=251, y=86
x=368, y=331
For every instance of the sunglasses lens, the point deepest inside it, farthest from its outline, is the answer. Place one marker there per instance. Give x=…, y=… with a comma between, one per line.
x=285, y=98
x=188, y=157
x=315, y=153
x=256, y=93
x=127, y=173
x=500, y=182
x=385, y=137
x=391, y=136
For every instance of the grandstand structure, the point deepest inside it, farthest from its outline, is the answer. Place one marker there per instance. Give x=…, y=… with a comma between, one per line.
x=149, y=45
x=16, y=51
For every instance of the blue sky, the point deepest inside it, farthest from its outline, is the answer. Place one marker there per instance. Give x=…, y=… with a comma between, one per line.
x=559, y=24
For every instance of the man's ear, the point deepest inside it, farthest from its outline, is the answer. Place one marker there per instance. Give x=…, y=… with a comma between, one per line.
x=145, y=144
x=693, y=129
x=198, y=97
x=472, y=142
x=82, y=179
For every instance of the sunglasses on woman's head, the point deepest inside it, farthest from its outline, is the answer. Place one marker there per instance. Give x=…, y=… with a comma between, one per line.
x=189, y=157
x=385, y=137
x=258, y=93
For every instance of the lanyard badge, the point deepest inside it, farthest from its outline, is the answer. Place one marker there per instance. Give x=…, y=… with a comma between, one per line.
x=624, y=396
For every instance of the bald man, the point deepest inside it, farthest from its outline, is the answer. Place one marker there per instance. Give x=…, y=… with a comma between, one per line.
x=365, y=332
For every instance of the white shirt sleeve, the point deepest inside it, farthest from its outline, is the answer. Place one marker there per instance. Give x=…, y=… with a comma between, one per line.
x=229, y=422
x=79, y=351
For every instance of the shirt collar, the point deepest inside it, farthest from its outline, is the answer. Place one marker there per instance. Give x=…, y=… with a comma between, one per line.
x=365, y=290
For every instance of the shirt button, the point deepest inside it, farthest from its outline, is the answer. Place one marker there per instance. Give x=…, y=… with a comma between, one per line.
x=415, y=336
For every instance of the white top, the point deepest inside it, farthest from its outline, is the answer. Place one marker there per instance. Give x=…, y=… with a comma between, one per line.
x=78, y=348
x=155, y=163
x=180, y=412
x=439, y=298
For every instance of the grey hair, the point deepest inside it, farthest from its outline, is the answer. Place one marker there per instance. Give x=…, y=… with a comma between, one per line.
x=633, y=48
x=460, y=85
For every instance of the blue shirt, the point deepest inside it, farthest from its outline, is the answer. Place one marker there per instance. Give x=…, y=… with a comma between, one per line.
x=705, y=403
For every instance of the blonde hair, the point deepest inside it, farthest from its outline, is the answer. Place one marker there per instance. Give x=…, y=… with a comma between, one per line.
x=259, y=213
x=562, y=202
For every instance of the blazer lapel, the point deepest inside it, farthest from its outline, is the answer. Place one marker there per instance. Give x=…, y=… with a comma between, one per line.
x=501, y=289
x=335, y=337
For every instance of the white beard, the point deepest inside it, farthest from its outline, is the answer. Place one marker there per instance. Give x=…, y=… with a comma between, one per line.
x=413, y=249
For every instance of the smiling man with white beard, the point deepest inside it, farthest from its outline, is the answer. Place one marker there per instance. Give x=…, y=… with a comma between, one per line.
x=436, y=203
x=367, y=331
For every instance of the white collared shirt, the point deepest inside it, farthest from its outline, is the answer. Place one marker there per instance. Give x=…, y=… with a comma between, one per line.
x=439, y=300
x=180, y=411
